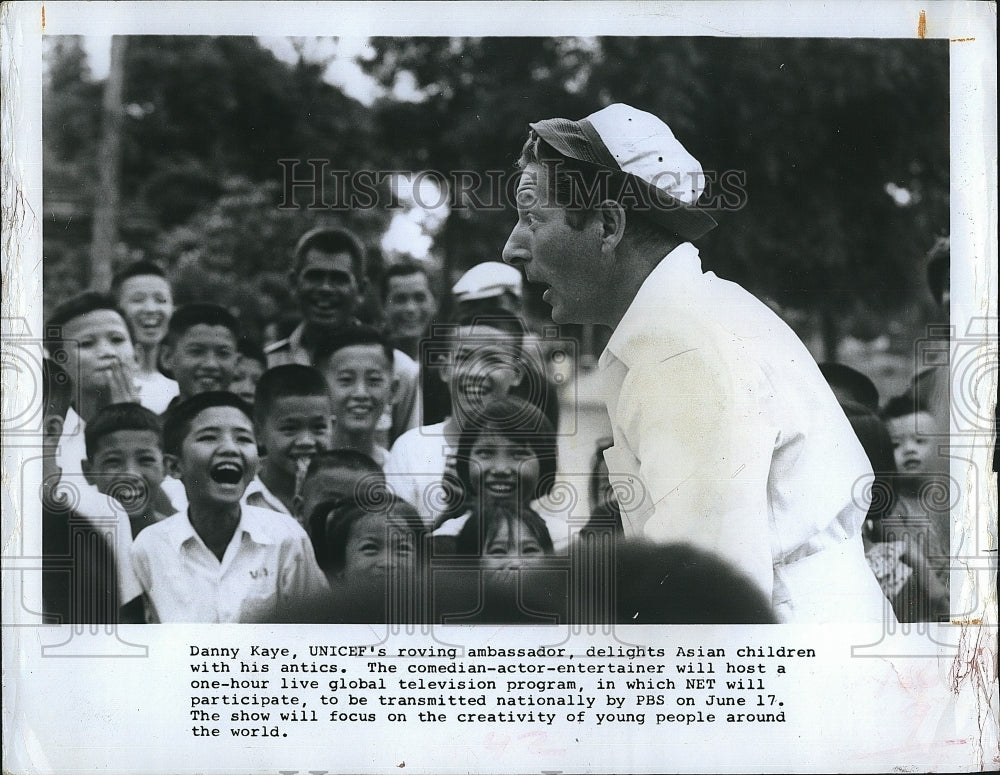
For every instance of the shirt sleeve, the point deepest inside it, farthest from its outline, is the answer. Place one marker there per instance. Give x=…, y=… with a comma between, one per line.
x=406, y=407
x=703, y=456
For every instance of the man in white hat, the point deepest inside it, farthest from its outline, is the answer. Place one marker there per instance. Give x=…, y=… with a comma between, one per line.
x=726, y=434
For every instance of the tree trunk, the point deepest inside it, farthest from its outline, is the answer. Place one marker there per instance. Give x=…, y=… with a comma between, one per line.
x=104, y=238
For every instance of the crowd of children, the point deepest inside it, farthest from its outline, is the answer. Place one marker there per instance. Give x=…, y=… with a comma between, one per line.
x=190, y=475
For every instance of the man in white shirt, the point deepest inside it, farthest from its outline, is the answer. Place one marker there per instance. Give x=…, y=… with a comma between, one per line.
x=726, y=435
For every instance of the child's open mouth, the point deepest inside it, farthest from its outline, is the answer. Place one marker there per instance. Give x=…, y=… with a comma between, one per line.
x=226, y=473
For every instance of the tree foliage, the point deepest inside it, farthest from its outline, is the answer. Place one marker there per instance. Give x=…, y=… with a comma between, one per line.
x=843, y=144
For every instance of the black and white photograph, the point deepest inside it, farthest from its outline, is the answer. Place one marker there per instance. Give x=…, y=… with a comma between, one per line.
x=499, y=369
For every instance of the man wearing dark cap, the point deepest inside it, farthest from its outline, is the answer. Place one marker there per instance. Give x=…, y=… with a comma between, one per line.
x=726, y=435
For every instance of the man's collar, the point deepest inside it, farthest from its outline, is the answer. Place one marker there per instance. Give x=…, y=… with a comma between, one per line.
x=673, y=271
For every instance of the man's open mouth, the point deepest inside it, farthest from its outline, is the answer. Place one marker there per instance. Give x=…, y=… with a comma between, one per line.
x=226, y=473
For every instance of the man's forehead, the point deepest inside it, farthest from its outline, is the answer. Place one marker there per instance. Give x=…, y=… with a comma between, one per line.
x=340, y=261
x=528, y=183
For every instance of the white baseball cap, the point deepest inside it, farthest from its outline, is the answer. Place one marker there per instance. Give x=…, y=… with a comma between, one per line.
x=640, y=145
x=486, y=280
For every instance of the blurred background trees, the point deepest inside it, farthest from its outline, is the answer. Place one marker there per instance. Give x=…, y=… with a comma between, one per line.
x=844, y=145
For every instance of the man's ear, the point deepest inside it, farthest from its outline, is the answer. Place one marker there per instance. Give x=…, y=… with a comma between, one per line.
x=611, y=217
x=297, y=502
x=87, y=472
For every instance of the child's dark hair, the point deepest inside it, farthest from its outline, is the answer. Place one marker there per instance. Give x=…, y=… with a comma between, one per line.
x=478, y=530
x=902, y=405
x=291, y=379
x=81, y=304
x=57, y=389
x=874, y=437
x=851, y=382
x=343, y=460
x=514, y=419
x=488, y=316
x=201, y=313
x=330, y=525
x=679, y=584
x=351, y=336
x=119, y=417
x=142, y=268
x=249, y=348
x=329, y=240
x=179, y=417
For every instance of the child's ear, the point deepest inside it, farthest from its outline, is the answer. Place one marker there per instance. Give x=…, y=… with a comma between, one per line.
x=393, y=392
x=52, y=427
x=172, y=465
x=259, y=436
x=87, y=472
x=519, y=372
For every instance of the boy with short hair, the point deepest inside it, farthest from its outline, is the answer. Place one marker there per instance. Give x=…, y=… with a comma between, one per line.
x=292, y=420
x=358, y=367
x=124, y=460
x=86, y=573
x=338, y=474
x=250, y=365
x=200, y=349
x=143, y=293
x=483, y=363
x=91, y=337
x=918, y=515
x=221, y=561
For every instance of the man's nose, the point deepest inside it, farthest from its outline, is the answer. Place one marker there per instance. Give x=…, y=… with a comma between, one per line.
x=514, y=251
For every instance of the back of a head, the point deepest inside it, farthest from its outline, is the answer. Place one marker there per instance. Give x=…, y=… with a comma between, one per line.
x=119, y=417
x=343, y=460
x=331, y=240
x=178, y=419
x=850, y=383
x=291, y=379
x=679, y=584
x=873, y=435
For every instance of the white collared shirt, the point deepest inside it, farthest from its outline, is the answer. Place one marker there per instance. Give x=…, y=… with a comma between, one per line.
x=268, y=565
x=728, y=437
x=258, y=495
